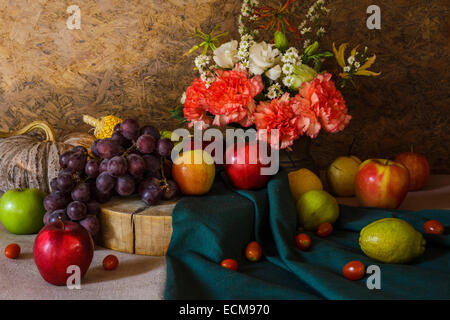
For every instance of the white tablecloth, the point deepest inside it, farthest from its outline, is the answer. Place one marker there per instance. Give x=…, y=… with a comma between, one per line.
x=141, y=277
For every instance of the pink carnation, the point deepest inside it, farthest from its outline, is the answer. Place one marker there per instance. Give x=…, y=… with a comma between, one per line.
x=307, y=121
x=195, y=104
x=327, y=102
x=230, y=97
x=292, y=118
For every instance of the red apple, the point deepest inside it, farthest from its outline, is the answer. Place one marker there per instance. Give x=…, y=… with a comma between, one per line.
x=418, y=167
x=242, y=173
x=60, y=245
x=381, y=183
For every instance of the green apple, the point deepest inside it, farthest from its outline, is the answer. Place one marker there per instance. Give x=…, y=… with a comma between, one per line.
x=316, y=207
x=22, y=210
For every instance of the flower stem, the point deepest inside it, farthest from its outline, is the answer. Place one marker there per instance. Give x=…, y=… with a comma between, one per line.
x=290, y=159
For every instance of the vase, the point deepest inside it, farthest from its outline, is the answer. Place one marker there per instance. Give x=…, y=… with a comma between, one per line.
x=299, y=156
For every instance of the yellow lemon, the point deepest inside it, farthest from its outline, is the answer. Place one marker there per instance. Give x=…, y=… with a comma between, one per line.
x=316, y=207
x=303, y=180
x=391, y=240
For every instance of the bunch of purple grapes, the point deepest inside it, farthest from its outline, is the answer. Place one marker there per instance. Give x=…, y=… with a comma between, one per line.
x=135, y=160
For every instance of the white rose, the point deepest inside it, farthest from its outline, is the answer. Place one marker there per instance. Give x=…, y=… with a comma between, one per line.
x=226, y=55
x=262, y=57
x=274, y=73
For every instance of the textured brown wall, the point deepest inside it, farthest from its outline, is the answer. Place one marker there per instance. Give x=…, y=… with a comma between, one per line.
x=126, y=60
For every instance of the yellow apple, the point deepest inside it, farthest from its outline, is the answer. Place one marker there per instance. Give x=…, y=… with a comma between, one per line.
x=341, y=175
x=194, y=172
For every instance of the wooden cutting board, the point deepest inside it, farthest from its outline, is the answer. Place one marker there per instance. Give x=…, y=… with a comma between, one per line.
x=129, y=225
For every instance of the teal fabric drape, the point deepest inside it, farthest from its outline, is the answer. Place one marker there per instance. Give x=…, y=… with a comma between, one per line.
x=217, y=226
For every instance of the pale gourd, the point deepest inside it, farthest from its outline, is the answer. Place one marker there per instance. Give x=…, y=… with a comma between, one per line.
x=28, y=161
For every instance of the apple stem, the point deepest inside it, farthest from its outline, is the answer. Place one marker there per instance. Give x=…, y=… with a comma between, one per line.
x=337, y=168
x=60, y=220
x=412, y=148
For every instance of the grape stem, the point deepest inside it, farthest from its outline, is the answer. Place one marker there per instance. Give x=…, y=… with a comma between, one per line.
x=77, y=178
x=132, y=148
x=164, y=180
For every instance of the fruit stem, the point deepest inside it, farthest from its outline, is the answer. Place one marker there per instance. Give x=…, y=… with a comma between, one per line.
x=44, y=126
x=164, y=180
x=63, y=225
x=337, y=168
x=132, y=148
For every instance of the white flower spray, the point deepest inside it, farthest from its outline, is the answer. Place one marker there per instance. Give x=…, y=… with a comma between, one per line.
x=243, y=52
x=247, y=13
x=247, y=35
x=290, y=59
x=202, y=63
x=355, y=61
x=310, y=27
x=283, y=75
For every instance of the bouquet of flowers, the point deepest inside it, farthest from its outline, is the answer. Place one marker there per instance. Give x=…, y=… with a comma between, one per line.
x=271, y=85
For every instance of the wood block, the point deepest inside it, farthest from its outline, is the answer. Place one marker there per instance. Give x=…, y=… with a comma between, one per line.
x=129, y=225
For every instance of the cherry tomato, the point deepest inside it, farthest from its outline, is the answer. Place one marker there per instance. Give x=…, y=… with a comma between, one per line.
x=253, y=252
x=433, y=227
x=303, y=241
x=324, y=230
x=167, y=248
x=230, y=264
x=354, y=270
x=12, y=251
x=110, y=262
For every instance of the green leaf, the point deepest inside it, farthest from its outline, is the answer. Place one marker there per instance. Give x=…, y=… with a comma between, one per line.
x=325, y=54
x=177, y=114
x=317, y=64
x=310, y=50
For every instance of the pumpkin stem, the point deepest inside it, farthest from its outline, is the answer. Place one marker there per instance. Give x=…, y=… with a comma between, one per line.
x=43, y=125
